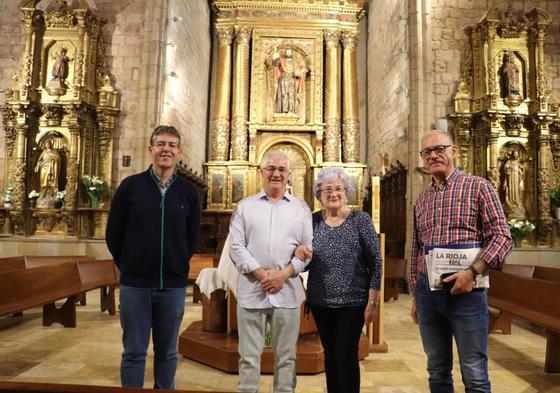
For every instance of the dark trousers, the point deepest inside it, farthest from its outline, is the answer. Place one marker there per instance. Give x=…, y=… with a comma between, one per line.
x=340, y=329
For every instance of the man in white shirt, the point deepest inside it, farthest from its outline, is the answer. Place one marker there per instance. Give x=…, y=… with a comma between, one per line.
x=265, y=230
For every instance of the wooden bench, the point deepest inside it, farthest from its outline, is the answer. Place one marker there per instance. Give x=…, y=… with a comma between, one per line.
x=28, y=261
x=502, y=319
x=42, y=286
x=32, y=387
x=394, y=271
x=533, y=299
x=196, y=264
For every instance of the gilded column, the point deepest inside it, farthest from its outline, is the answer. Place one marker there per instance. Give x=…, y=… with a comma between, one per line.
x=543, y=199
x=27, y=58
x=239, y=132
x=491, y=66
x=19, y=179
x=542, y=80
x=332, y=97
x=350, y=117
x=222, y=93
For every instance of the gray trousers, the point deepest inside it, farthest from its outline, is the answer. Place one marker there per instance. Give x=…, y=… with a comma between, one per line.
x=251, y=325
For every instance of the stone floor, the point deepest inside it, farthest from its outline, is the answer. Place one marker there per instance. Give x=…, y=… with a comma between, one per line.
x=90, y=354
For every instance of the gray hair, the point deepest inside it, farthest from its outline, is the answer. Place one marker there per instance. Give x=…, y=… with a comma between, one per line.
x=445, y=134
x=326, y=175
x=274, y=154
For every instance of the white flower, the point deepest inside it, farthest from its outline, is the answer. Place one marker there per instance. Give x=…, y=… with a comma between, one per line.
x=518, y=225
x=33, y=194
x=92, y=188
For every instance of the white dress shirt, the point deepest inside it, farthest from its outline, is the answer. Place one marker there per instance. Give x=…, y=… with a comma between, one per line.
x=265, y=235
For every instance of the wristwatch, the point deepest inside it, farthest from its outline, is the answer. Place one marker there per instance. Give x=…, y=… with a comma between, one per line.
x=473, y=271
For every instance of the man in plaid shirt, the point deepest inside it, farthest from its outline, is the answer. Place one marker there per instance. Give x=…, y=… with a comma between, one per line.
x=455, y=208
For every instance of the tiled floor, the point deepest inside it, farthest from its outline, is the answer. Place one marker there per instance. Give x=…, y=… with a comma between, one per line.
x=90, y=354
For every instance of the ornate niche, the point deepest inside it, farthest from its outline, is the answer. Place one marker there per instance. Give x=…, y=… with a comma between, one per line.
x=503, y=117
x=59, y=117
x=281, y=70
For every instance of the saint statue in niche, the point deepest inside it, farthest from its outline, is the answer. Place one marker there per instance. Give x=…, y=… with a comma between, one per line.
x=513, y=186
x=48, y=167
x=510, y=76
x=291, y=81
x=57, y=85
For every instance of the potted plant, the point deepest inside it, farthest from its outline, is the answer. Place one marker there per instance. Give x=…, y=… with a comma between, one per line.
x=519, y=229
x=32, y=196
x=555, y=201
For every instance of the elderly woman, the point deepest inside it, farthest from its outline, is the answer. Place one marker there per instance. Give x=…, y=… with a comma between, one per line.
x=344, y=278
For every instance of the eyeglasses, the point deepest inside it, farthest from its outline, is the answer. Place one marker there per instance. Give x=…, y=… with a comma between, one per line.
x=328, y=190
x=272, y=169
x=162, y=144
x=426, y=153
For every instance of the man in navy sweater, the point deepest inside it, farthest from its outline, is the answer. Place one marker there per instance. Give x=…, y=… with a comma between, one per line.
x=153, y=227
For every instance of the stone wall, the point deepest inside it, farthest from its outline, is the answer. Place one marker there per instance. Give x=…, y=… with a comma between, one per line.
x=185, y=96
x=388, y=83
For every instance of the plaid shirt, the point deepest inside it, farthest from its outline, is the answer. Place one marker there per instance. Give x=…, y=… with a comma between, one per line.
x=465, y=209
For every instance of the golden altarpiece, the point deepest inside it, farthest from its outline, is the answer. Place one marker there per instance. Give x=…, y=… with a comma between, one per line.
x=59, y=118
x=286, y=79
x=505, y=120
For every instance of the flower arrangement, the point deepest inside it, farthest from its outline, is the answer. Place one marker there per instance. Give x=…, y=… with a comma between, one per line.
x=95, y=189
x=32, y=196
x=7, y=194
x=59, y=198
x=519, y=229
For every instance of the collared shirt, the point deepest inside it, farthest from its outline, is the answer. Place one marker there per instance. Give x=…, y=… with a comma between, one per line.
x=464, y=209
x=163, y=186
x=265, y=235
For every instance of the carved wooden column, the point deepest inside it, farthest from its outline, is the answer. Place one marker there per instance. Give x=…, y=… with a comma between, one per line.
x=221, y=117
x=350, y=116
x=543, y=180
x=491, y=67
x=331, y=152
x=239, y=132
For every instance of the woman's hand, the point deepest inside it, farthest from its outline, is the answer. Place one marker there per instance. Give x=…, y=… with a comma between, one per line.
x=370, y=313
x=304, y=252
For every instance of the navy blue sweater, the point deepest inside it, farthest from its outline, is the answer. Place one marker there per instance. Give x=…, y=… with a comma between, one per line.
x=152, y=237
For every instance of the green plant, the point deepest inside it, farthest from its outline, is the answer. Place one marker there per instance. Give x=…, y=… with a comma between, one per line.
x=519, y=229
x=7, y=193
x=554, y=197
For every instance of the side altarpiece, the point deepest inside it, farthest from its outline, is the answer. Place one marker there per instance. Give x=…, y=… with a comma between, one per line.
x=59, y=119
x=505, y=120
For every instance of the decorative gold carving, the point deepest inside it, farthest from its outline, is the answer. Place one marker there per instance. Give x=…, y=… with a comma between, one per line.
x=331, y=149
x=351, y=141
x=53, y=114
x=220, y=142
x=239, y=131
x=60, y=17
x=511, y=26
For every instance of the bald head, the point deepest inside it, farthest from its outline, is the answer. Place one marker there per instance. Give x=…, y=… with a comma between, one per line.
x=440, y=135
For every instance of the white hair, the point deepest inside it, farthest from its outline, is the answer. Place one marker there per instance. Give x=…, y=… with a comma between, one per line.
x=326, y=175
x=272, y=155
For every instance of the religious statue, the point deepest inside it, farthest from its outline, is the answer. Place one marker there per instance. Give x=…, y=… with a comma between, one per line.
x=510, y=75
x=48, y=167
x=513, y=186
x=60, y=67
x=291, y=82
x=59, y=72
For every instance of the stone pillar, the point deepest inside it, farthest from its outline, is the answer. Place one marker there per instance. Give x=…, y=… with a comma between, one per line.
x=239, y=132
x=350, y=104
x=331, y=152
x=222, y=93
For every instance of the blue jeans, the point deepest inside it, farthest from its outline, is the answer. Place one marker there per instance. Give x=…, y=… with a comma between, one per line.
x=441, y=317
x=160, y=312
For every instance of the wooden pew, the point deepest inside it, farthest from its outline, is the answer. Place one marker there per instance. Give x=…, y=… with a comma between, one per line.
x=394, y=271
x=502, y=319
x=32, y=387
x=27, y=261
x=535, y=300
x=43, y=286
x=196, y=264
